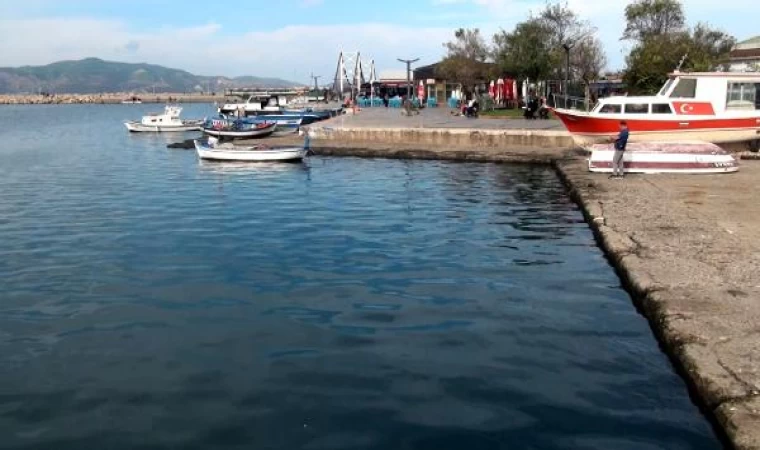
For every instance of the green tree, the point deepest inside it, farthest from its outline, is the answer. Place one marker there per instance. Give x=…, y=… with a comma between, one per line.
x=649, y=62
x=525, y=52
x=647, y=18
x=465, y=60
x=708, y=48
x=662, y=40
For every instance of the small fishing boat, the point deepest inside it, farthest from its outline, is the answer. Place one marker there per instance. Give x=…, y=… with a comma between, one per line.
x=164, y=122
x=214, y=151
x=238, y=128
x=691, y=157
x=285, y=125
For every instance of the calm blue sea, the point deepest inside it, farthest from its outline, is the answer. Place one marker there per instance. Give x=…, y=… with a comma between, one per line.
x=149, y=301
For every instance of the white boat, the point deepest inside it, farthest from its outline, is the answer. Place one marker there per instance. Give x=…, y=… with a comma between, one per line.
x=691, y=157
x=238, y=129
x=164, y=122
x=214, y=151
x=132, y=101
x=717, y=107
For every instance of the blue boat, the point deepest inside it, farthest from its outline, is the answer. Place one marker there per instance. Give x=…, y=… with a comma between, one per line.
x=237, y=128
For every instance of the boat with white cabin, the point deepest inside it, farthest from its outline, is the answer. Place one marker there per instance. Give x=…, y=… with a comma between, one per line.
x=214, y=151
x=715, y=107
x=167, y=121
x=692, y=157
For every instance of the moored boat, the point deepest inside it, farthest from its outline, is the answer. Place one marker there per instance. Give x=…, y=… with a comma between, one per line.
x=214, y=151
x=168, y=121
x=238, y=128
x=717, y=107
x=693, y=157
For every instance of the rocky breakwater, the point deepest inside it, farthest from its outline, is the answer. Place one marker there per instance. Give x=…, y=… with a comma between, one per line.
x=67, y=99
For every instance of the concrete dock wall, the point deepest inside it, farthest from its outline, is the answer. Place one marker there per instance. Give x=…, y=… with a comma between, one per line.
x=437, y=138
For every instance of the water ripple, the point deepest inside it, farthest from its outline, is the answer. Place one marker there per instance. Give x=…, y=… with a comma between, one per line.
x=152, y=301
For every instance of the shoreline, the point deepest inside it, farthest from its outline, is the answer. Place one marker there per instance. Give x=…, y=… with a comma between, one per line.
x=110, y=99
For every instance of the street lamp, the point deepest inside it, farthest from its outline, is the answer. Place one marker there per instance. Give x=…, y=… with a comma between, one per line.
x=567, y=48
x=408, y=75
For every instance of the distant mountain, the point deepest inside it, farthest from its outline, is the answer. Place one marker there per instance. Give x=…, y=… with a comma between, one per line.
x=93, y=75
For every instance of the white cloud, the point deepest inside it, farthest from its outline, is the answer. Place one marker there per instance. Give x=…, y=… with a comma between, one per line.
x=295, y=51
x=291, y=52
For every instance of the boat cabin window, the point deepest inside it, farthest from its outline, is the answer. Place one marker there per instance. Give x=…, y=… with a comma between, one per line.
x=661, y=108
x=637, y=108
x=665, y=88
x=686, y=88
x=610, y=108
x=741, y=96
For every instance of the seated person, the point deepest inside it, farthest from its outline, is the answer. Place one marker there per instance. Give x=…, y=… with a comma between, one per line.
x=472, y=108
x=530, y=112
x=543, y=109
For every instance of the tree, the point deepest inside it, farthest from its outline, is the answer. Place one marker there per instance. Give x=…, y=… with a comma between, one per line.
x=525, y=52
x=565, y=32
x=588, y=60
x=658, y=26
x=649, y=62
x=708, y=48
x=647, y=18
x=468, y=44
x=465, y=61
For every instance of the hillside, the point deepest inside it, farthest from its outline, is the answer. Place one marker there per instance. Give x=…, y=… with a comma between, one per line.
x=93, y=75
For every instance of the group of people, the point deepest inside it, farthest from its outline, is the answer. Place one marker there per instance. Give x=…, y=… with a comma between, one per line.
x=534, y=105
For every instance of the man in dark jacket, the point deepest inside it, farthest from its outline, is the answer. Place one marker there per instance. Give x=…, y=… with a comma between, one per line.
x=620, y=143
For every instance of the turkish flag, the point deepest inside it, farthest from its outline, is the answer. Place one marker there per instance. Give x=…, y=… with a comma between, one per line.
x=693, y=108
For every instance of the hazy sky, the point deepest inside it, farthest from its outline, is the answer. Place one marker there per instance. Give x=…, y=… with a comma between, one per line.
x=292, y=38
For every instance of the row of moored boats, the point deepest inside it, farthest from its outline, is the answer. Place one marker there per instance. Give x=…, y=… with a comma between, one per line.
x=678, y=130
x=238, y=121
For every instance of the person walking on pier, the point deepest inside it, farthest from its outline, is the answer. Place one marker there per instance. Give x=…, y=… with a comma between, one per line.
x=620, y=143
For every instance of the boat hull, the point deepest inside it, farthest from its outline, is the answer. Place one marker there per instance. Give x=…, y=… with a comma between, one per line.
x=674, y=157
x=250, y=154
x=588, y=129
x=242, y=134
x=137, y=127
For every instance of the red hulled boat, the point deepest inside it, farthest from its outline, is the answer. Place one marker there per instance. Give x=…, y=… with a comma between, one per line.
x=715, y=107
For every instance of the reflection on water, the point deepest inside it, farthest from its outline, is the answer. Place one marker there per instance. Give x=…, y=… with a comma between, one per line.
x=152, y=301
x=252, y=168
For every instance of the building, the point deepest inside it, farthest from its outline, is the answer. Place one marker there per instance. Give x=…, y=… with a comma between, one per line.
x=442, y=90
x=745, y=57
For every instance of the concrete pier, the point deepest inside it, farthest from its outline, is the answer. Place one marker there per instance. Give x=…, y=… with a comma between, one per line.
x=686, y=247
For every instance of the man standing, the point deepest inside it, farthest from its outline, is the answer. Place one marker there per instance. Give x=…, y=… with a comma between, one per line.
x=620, y=144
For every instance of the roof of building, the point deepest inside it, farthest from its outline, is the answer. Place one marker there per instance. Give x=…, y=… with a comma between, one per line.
x=748, y=53
x=751, y=43
x=392, y=75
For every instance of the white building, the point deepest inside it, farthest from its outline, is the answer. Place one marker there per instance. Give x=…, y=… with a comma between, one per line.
x=745, y=57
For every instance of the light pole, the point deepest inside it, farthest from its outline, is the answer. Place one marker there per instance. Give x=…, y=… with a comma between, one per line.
x=408, y=75
x=567, y=48
x=316, y=85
